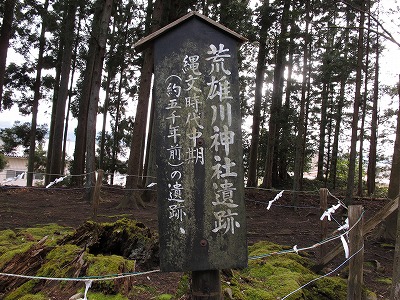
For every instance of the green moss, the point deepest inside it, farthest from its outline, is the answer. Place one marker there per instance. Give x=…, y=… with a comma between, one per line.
x=142, y=291
x=387, y=246
x=6, y=236
x=14, y=242
x=11, y=240
x=100, y=296
x=263, y=247
x=13, y=250
x=253, y=293
x=327, y=288
x=35, y=297
x=104, y=265
x=367, y=294
x=164, y=297
x=183, y=287
x=108, y=265
x=54, y=233
x=385, y=280
x=121, y=216
x=21, y=291
x=58, y=261
x=276, y=276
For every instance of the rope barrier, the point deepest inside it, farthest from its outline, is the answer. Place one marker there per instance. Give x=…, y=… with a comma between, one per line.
x=121, y=275
x=84, y=278
x=296, y=250
x=325, y=275
x=286, y=206
x=70, y=188
x=89, y=279
x=274, y=190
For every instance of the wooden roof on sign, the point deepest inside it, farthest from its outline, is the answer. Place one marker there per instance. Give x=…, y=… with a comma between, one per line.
x=146, y=41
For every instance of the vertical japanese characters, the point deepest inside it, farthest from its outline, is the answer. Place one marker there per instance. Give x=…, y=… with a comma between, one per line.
x=204, y=82
x=219, y=96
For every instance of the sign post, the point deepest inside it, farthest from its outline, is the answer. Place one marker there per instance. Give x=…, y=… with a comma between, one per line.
x=200, y=183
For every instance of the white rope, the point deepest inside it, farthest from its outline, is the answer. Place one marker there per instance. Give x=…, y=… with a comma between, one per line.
x=275, y=199
x=20, y=176
x=57, y=180
x=80, y=279
x=88, y=284
x=327, y=274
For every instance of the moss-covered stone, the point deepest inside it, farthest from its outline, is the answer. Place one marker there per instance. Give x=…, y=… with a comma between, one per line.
x=276, y=276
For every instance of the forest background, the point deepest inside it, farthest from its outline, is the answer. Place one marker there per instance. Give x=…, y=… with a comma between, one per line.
x=311, y=84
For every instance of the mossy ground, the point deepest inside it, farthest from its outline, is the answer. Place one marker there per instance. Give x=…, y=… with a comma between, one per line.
x=271, y=277
x=63, y=261
x=276, y=276
x=17, y=241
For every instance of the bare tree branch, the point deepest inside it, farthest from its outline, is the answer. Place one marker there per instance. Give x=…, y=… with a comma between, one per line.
x=390, y=38
x=387, y=35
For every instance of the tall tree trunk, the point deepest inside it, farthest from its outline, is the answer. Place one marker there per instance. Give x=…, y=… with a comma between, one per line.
x=54, y=109
x=306, y=118
x=99, y=30
x=276, y=99
x=356, y=108
x=255, y=130
x=300, y=151
x=68, y=37
x=285, y=138
x=339, y=107
x=111, y=72
x=361, y=145
x=338, y=120
x=371, y=171
x=364, y=108
x=131, y=198
x=36, y=97
x=56, y=90
x=70, y=92
x=164, y=12
x=390, y=224
x=329, y=133
x=116, y=134
x=78, y=165
x=322, y=132
x=5, y=35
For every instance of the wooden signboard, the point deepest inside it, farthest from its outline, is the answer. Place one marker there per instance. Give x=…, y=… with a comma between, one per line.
x=202, y=221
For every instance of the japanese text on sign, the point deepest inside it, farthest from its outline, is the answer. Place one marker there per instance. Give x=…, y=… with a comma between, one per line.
x=185, y=121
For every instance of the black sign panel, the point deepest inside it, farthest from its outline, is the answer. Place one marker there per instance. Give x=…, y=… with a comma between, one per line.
x=199, y=149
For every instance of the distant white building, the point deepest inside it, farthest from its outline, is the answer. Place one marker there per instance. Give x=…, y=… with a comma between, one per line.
x=15, y=171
